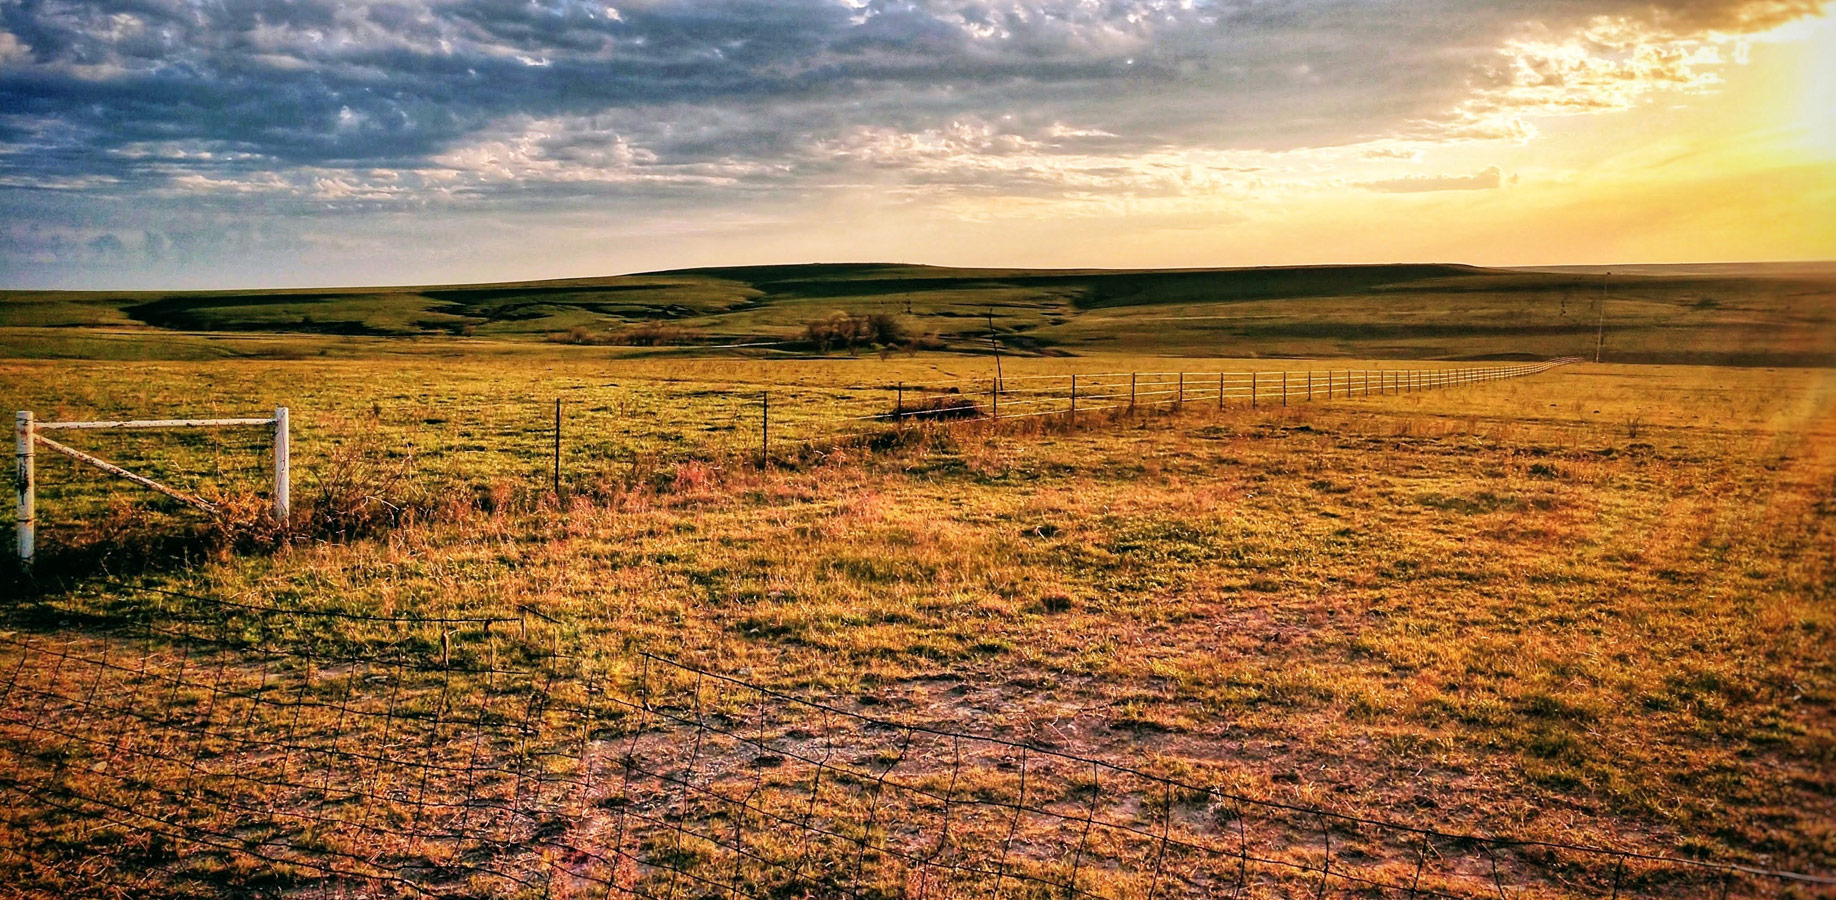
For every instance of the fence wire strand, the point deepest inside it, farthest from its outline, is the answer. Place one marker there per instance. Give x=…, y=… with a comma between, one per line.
x=171, y=754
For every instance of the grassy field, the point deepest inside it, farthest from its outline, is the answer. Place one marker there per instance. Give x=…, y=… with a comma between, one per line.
x=1589, y=606
x=461, y=423
x=1593, y=605
x=1753, y=315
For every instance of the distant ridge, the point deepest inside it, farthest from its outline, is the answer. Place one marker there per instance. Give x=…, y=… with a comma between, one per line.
x=1724, y=313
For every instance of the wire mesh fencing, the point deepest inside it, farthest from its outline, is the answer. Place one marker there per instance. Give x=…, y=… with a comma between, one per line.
x=425, y=450
x=801, y=423
x=216, y=747
x=199, y=747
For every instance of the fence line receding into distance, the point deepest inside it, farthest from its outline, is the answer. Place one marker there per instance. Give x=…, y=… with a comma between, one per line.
x=779, y=418
x=1022, y=397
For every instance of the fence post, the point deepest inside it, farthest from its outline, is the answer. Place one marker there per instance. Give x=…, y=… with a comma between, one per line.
x=25, y=480
x=557, y=448
x=1074, y=401
x=1131, y=392
x=1309, y=385
x=1252, y=390
x=1284, y=389
x=1181, y=402
x=899, y=404
x=283, y=466
x=994, y=392
x=1220, y=391
x=764, y=429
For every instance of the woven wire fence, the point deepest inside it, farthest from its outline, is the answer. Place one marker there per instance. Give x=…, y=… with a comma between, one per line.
x=806, y=420
x=598, y=442
x=200, y=747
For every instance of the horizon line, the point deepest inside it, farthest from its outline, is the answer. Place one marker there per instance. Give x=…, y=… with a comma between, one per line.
x=683, y=270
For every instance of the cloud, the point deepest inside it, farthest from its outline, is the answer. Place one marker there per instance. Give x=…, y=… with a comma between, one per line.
x=1489, y=178
x=310, y=107
x=1412, y=154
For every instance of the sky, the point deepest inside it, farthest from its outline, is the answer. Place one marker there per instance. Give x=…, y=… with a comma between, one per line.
x=258, y=143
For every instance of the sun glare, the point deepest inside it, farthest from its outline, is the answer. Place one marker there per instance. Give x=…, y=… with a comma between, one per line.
x=1817, y=100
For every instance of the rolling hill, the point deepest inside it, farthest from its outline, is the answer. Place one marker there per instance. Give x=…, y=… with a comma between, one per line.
x=1744, y=315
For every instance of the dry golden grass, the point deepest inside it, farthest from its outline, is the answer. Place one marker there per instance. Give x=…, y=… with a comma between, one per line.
x=1593, y=605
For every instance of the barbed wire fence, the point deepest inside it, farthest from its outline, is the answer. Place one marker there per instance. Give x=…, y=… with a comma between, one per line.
x=799, y=421
x=164, y=744
x=566, y=449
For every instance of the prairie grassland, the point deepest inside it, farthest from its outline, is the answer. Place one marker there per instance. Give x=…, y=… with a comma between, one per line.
x=1744, y=315
x=484, y=426
x=1593, y=605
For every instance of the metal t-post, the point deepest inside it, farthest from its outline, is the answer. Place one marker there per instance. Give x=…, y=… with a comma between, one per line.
x=25, y=481
x=283, y=466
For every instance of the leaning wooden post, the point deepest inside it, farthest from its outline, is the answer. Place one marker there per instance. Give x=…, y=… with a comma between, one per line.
x=283, y=466
x=25, y=480
x=995, y=393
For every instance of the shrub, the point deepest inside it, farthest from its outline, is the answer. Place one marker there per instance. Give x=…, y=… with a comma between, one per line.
x=852, y=332
x=938, y=409
x=654, y=334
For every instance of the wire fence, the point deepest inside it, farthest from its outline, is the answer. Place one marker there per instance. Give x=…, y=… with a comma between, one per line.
x=805, y=423
x=165, y=744
x=613, y=435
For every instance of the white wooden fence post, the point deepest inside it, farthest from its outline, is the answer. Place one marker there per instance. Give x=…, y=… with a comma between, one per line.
x=283, y=468
x=26, y=482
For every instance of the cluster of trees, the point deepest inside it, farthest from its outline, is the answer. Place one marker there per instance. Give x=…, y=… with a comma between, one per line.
x=846, y=331
x=647, y=334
